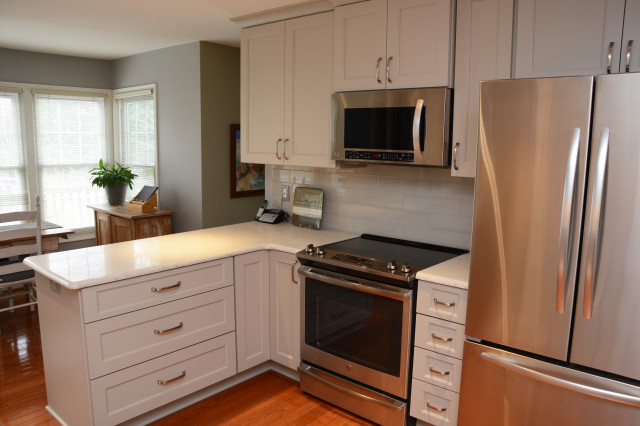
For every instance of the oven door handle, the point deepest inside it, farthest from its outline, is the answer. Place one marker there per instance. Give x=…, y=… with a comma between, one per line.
x=400, y=294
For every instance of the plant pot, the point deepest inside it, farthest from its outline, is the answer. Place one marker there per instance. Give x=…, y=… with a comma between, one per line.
x=116, y=194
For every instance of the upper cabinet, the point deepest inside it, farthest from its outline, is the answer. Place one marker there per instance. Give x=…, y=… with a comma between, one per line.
x=393, y=44
x=286, y=86
x=483, y=52
x=576, y=37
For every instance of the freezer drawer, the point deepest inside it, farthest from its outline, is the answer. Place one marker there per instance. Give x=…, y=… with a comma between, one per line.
x=502, y=388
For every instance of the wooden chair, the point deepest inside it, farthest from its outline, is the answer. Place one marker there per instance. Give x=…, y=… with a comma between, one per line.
x=16, y=243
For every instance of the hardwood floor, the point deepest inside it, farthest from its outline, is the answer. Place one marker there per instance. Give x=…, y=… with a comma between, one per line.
x=268, y=399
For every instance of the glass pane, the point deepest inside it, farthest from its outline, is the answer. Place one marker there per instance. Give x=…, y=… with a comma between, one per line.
x=379, y=128
x=13, y=179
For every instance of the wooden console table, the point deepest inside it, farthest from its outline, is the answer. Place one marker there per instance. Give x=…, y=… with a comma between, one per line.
x=115, y=224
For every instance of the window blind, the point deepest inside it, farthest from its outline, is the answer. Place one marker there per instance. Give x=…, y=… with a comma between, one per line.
x=70, y=139
x=13, y=173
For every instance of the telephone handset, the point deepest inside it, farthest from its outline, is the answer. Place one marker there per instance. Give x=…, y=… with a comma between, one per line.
x=272, y=216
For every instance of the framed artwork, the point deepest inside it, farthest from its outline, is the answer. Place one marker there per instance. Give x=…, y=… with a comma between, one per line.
x=247, y=179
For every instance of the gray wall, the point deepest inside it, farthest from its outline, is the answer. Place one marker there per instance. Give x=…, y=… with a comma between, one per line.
x=220, y=104
x=176, y=71
x=18, y=66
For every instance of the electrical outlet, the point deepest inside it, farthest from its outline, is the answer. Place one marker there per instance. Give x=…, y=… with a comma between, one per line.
x=285, y=192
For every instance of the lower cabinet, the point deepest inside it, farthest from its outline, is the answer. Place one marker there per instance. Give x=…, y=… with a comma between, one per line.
x=284, y=298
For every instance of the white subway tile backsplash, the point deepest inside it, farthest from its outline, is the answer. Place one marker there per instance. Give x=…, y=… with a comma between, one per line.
x=467, y=208
x=465, y=242
x=353, y=210
x=450, y=223
x=379, y=199
x=380, y=170
x=436, y=205
x=449, y=239
x=403, y=217
x=362, y=226
x=461, y=189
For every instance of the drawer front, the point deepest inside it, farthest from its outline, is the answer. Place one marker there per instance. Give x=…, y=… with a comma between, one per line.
x=437, y=369
x=133, y=391
x=122, y=341
x=441, y=301
x=440, y=336
x=433, y=405
x=104, y=301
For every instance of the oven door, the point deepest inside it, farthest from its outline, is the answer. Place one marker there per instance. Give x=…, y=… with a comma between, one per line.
x=357, y=328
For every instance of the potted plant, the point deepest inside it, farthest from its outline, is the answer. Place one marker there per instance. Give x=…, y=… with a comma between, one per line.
x=114, y=180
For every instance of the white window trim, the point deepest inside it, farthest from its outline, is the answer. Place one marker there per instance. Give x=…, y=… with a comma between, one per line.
x=130, y=92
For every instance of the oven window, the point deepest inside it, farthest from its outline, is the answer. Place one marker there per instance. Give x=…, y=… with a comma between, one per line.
x=359, y=327
x=380, y=128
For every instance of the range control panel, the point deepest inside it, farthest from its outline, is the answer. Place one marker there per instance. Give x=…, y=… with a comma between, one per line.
x=402, y=157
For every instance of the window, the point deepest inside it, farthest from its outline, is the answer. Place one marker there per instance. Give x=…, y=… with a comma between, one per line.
x=13, y=176
x=135, y=134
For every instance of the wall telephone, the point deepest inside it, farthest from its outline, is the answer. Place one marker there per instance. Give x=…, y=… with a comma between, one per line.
x=272, y=216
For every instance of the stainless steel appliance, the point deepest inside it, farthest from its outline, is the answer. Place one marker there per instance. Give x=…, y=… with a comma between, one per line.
x=408, y=127
x=357, y=322
x=553, y=313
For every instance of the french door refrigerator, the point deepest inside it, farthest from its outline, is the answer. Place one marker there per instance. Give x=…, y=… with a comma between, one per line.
x=553, y=320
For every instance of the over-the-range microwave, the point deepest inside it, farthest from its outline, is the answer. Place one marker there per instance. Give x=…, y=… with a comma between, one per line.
x=405, y=127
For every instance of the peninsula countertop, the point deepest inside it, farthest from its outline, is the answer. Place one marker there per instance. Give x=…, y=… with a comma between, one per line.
x=454, y=272
x=76, y=269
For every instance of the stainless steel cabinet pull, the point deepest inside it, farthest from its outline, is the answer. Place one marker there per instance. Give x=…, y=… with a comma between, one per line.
x=566, y=220
x=166, y=382
x=293, y=268
x=442, y=373
x=593, y=227
x=629, y=55
x=278, y=156
x=609, y=57
x=445, y=304
x=388, y=69
x=284, y=149
x=431, y=407
x=378, y=70
x=442, y=339
x=169, y=330
x=455, y=156
x=168, y=288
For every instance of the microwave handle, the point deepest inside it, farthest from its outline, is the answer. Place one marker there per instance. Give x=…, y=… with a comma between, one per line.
x=417, y=116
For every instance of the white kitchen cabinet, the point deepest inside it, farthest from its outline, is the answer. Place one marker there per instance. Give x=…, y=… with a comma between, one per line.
x=285, y=309
x=286, y=86
x=393, y=44
x=631, y=37
x=252, y=308
x=568, y=37
x=483, y=52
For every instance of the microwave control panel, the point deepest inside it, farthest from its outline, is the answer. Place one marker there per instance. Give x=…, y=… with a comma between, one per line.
x=403, y=157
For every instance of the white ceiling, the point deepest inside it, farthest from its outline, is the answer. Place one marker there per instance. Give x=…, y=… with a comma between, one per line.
x=110, y=29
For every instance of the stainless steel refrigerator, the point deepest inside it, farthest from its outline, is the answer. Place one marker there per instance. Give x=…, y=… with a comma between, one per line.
x=553, y=319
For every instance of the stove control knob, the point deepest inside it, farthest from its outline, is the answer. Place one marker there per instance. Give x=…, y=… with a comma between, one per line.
x=406, y=268
x=391, y=265
x=309, y=249
x=319, y=251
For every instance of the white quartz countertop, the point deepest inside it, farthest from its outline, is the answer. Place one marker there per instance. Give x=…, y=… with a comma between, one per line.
x=454, y=272
x=76, y=269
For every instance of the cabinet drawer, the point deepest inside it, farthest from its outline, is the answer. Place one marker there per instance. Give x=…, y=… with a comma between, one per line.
x=122, y=341
x=441, y=301
x=437, y=369
x=130, y=392
x=433, y=405
x=439, y=336
x=105, y=301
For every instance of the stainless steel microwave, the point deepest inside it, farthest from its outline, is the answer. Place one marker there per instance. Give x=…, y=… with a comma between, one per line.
x=407, y=127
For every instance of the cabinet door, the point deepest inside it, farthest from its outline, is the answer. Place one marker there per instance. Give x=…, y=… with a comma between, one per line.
x=360, y=46
x=262, y=93
x=631, y=37
x=103, y=229
x=419, y=43
x=252, y=308
x=483, y=52
x=308, y=77
x=285, y=309
x=568, y=37
x=121, y=229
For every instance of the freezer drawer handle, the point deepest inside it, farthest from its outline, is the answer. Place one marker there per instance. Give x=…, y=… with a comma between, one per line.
x=442, y=373
x=442, y=339
x=169, y=330
x=439, y=410
x=609, y=57
x=529, y=371
x=629, y=55
x=166, y=382
x=168, y=288
x=445, y=304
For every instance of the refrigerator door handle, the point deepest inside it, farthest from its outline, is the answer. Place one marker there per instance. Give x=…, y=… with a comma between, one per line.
x=593, y=227
x=521, y=367
x=566, y=221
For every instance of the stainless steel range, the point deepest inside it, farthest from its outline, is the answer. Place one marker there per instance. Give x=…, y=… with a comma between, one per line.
x=357, y=322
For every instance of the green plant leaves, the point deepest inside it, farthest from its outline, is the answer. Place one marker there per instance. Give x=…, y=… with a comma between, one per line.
x=105, y=177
